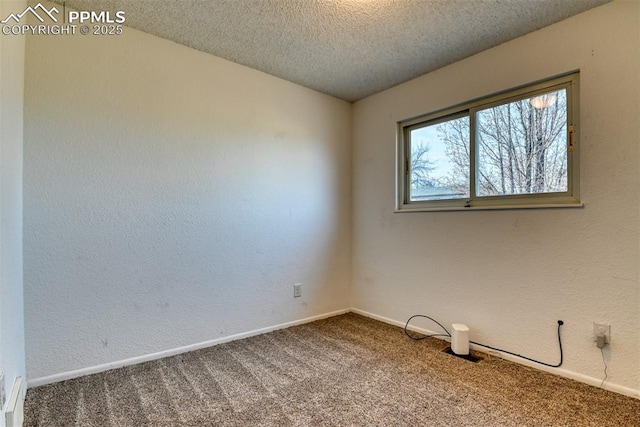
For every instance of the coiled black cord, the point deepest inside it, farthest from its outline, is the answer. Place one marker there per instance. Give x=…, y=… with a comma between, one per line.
x=447, y=334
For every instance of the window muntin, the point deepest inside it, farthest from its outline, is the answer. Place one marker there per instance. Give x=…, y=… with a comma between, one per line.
x=515, y=149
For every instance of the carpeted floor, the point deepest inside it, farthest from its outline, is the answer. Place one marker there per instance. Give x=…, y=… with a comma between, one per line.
x=343, y=371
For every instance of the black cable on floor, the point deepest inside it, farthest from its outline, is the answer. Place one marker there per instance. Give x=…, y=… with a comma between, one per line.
x=560, y=323
x=425, y=336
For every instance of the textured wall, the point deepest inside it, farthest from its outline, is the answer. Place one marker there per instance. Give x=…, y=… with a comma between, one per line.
x=172, y=197
x=509, y=275
x=12, y=353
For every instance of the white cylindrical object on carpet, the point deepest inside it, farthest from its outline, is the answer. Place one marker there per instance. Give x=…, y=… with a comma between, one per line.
x=460, y=339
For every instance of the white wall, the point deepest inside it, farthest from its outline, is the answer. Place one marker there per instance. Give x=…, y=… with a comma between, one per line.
x=171, y=198
x=509, y=275
x=12, y=352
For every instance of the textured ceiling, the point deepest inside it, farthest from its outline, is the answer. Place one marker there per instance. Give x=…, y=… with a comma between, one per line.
x=346, y=48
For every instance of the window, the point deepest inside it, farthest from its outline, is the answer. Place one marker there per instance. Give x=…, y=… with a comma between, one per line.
x=517, y=149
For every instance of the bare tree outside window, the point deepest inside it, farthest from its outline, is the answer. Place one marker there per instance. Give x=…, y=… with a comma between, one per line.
x=440, y=170
x=522, y=146
x=515, y=149
x=521, y=150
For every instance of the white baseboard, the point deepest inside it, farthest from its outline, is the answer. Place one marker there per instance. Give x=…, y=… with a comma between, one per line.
x=14, y=414
x=397, y=323
x=557, y=371
x=172, y=352
x=63, y=376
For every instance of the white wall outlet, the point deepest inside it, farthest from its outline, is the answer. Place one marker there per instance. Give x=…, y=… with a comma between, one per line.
x=297, y=290
x=3, y=394
x=602, y=329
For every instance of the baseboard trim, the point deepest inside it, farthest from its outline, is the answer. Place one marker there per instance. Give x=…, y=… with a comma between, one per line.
x=557, y=371
x=397, y=323
x=36, y=382
x=63, y=376
x=14, y=414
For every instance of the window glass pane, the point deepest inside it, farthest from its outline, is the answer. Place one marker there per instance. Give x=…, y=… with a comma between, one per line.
x=522, y=146
x=440, y=161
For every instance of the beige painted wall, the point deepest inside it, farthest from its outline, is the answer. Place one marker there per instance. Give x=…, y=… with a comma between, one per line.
x=171, y=198
x=509, y=275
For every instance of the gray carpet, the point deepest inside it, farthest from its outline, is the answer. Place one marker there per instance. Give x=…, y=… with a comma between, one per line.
x=344, y=371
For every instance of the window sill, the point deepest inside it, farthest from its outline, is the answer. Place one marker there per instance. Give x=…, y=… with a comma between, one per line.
x=488, y=208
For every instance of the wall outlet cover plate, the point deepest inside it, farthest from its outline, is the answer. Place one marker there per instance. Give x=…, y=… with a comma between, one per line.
x=602, y=329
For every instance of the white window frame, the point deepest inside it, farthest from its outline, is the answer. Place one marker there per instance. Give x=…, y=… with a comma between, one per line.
x=570, y=198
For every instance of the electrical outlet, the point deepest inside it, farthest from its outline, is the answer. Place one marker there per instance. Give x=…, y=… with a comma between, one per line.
x=297, y=290
x=3, y=395
x=602, y=329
